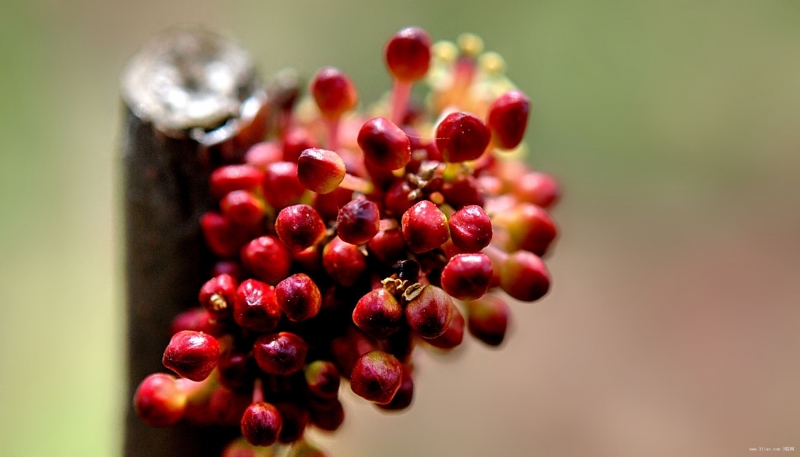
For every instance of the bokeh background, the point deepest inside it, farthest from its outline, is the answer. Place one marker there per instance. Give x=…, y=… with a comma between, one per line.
x=673, y=327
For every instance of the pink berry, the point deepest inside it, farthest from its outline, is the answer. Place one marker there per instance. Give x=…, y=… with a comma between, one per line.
x=538, y=188
x=508, y=117
x=385, y=145
x=461, y=137
x=488, y=319
x=192, y=355
x=524, y=276
x=295, y=141
x=158, y=401
x=408, y=54
x=228, y=178
x=334, y=92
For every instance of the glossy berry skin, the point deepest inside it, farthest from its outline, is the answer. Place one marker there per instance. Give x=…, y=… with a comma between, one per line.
x=235, y=177
x=322, y=378
x=256, y=307
x=280, y=353
x=408, y=54
x=267, y=258
x=299, y=297
x=461, y=137
x=524, y=276
x=377, y=377
x=217, y=296
x=453, y=335
x=344, y=262
x=358, y=221
x=470, y=229
x=487, y=319
x=385, y=145
x=299, y=227
x=261, y=424
x=378, y=314
x=334, y=92
x=158, y=401
x=242, y=208
x=282, y=187
x=467, y=276
x=430, y=312
x=320, y=170
x=192, y=355
x=538, y=188
x=424, y=227
x=508, y=118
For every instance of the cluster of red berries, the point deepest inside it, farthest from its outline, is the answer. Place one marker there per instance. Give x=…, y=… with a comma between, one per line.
x=349, y=239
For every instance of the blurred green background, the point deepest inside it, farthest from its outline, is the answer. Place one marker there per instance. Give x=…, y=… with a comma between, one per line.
x=672, y=328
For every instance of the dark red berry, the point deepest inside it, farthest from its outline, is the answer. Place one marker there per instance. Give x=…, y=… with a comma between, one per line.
x=327, y=415
x=524, y=276
x=424, y=227
x=508, y=117
x=281, y=353
x=377, y=377
x=453, y=335
x=226, y=407
x=228, y=267
x=470, y=228
x=334, y=92
x=488, y=319
x=430, y=312
x=378, y=314
x=222, y=237
x=322, y=379
x=388, y=246
x=385, y=145
x=538, y=188
x=408, y=54
x=261, y=424
x=461, y=137
x=404, y=396
x=467, y=276
x=344, y=262
x=281, y=184
x=242, y=207
x=237, y=370
x=320, y=170
x=464, y=191
x=217, y=295
x=256, y=307
x=228, y=178
x=299, y=227
x=358, y=221
x=158, y=401
x=192, y=355
x=295, y=419
x=398, y=198
x=267, y=258
x=299, y=297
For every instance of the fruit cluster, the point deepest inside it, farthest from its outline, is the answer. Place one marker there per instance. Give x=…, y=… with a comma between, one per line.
x=347, y=239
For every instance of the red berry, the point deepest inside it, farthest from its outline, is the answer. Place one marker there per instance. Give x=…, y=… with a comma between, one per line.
x=320, y=170
x=295, y=141
x=227, y=267
x=256, y=307
x=453, y=335
x=327, y=415
x=404, y=396
x=385, y=145
x=299, y=297
x=327, y=205
x=334, y=92
x=295, y=419
x=464, y=191
x=221, y=236
x=408, y=54
x=226, y=407
x=388, y=246
x=424, y=227
x=322, y=379
x=281, y=185
x=461, y=137
x=192, y=355
x=488, y=319
x=377, y=377
x=262, y=154
x=531, y=228
x=236, y=370
x=470, y=228
x=158, y=401
x=378, y=314
x=242, y=207
x=467, y=276
x=217, y=295
x=198, y=320
x=524, y=276
x=358, y=221
x=397, y=199
x=228, y=178
x=299, y=227
x=430, y=312
x=280, y=353
x=508, y=117
x=344, y=262
x=538, y=188
x=267, y=258
x=261, y=424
